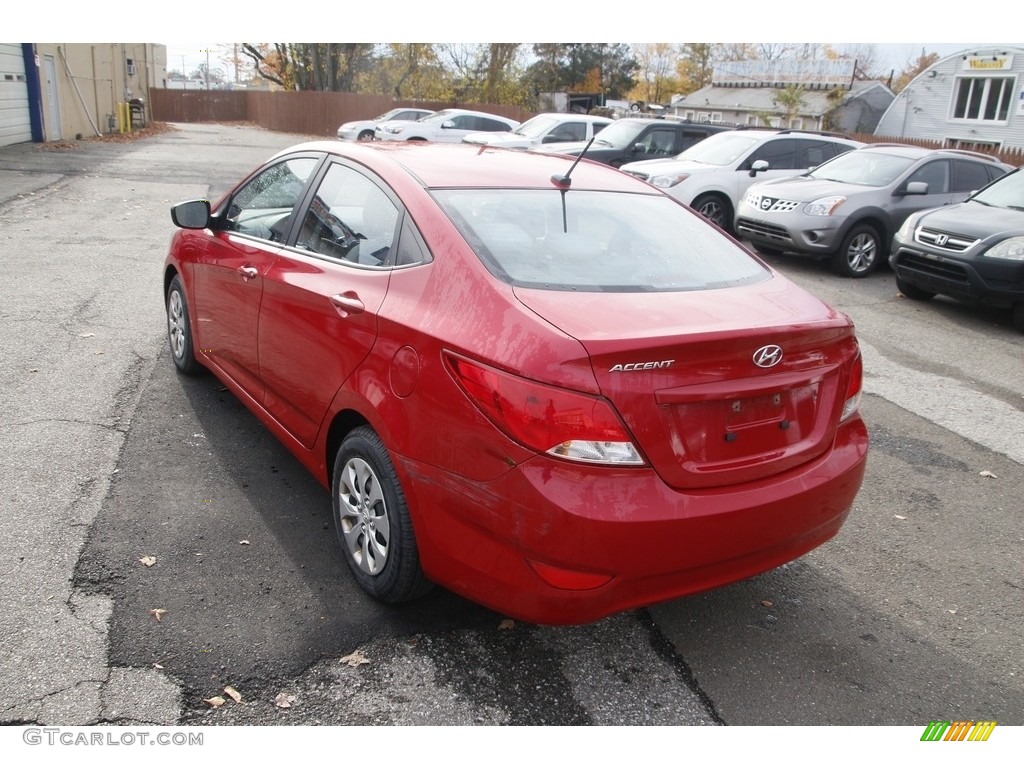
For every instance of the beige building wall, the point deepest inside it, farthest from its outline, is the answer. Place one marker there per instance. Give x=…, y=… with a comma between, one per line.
x=82, y=84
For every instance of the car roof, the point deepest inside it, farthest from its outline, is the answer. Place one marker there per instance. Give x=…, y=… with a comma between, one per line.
x=911, y=151
x=459, y=165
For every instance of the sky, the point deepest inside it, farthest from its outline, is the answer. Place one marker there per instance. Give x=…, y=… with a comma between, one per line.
x=889, y=24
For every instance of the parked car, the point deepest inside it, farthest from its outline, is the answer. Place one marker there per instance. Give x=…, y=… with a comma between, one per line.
x=362, y=130
x=637, y=138
x=446, y=125
x=848, y=209
x=972, y=251
x=502, y=374
x=712, y=176
x=545, y=128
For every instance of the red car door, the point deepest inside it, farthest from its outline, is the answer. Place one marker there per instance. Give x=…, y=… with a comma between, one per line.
x=230, y=271
x=318, y=318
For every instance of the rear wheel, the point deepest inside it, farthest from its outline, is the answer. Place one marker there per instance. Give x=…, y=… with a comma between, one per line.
x=913, y=292
x=860, y=253
x=715, y=209
x=372, y=520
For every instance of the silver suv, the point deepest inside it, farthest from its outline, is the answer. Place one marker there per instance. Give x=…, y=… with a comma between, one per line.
x=848, y=209
x=712, y=176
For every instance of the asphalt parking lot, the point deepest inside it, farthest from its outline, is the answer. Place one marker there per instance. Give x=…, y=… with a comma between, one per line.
x=913, y=613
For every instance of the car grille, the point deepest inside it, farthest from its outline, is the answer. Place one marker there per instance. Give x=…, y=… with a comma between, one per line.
x=946, y=241
x=763, y=230
x=946, y=270
x=781, y=206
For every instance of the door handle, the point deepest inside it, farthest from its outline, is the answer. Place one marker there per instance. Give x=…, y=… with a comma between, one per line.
x=249, y=272
x=348, y=303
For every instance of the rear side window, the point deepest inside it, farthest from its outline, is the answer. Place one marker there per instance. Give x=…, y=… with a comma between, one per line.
x=584, y=240
x=780, y=153
x=968, y=176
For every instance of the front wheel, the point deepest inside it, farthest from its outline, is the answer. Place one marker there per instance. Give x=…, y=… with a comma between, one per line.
x=372, y=520
x=366, y=135
x=1018, y=316
x=179, y=329
x=860, y=253
x=715, y=209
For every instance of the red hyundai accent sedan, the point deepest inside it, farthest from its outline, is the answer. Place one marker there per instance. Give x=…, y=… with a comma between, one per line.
x=553, y=390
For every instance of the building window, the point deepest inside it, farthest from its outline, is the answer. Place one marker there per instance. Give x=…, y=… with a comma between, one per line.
x=983, y=98
x=796, y=124
x=689, y=115
x=716, y=117
x=752, y=120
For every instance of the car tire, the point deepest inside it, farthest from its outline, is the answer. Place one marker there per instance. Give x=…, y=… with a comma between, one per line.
x=1018, y=316
x=365, y=136
x=715, y=209
x=179, y=329
x=860, y=253
x=372, y=520
x=913, y=292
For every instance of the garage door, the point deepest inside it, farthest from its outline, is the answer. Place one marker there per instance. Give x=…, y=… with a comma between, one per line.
x=15, y=124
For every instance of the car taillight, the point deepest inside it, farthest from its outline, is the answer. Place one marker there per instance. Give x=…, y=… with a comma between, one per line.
x=551, y=420
x=853, y=390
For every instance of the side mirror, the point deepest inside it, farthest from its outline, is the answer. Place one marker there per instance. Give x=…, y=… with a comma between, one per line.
x=758, y=166
x=916, y=188
x=194, y=214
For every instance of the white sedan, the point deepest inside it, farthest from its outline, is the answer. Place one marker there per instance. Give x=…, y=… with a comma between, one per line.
x=546, y=128
x=447, y=125
x=362, y=130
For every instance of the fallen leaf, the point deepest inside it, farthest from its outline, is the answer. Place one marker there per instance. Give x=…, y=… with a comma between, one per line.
x=148, y=560
x=767, y=603
x=216, y=701
x=952, y=610
x=355, y=658
x=33, y=370
x=85, y=335
x=283, y=700
x=986, y=473
x=900, y=517
x=157, y=613
x=244, y=542
x=235, y=695
x=507, y=624
x=157, y=666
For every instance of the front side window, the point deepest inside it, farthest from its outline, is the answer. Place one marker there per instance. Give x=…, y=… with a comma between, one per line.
x=350, y=218
x=983, y=98
x=588, y=240
x=263, y=207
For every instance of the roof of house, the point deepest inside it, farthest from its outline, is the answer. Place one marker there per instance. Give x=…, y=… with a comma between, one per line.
x=816, y=102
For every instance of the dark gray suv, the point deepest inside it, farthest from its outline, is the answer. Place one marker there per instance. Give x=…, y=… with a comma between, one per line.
x=973, y=251
x=848, y=208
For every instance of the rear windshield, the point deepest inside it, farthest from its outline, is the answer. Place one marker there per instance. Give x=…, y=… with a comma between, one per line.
x=584, y=240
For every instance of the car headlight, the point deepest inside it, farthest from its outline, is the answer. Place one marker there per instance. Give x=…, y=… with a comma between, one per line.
x=392, y=129
x=1011, y=249
x=824, y=206
x=664, y=182
x=906, y=233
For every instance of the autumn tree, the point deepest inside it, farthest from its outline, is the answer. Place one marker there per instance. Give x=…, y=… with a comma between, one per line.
x=607, y=68
x=657, y=72
x=913, y=69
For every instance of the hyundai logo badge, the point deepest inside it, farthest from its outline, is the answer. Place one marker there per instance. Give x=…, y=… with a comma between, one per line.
x=768, y=355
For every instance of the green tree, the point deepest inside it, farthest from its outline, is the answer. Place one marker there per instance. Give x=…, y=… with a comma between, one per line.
x=791, y=100
x=607, y=68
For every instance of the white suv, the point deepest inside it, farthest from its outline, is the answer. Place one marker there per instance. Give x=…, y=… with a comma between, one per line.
x=446, y=125
x=712, y=176
x=546, y=128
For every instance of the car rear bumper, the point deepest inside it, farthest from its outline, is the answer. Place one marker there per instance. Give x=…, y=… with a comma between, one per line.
x=643, y=540
x=997, y=283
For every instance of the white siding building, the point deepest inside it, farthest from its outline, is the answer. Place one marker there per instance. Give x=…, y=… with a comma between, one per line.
x=972, y=100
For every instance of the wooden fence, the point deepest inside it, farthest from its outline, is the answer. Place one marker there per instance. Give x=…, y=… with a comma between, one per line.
x=314, y=113
x=319, y=113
